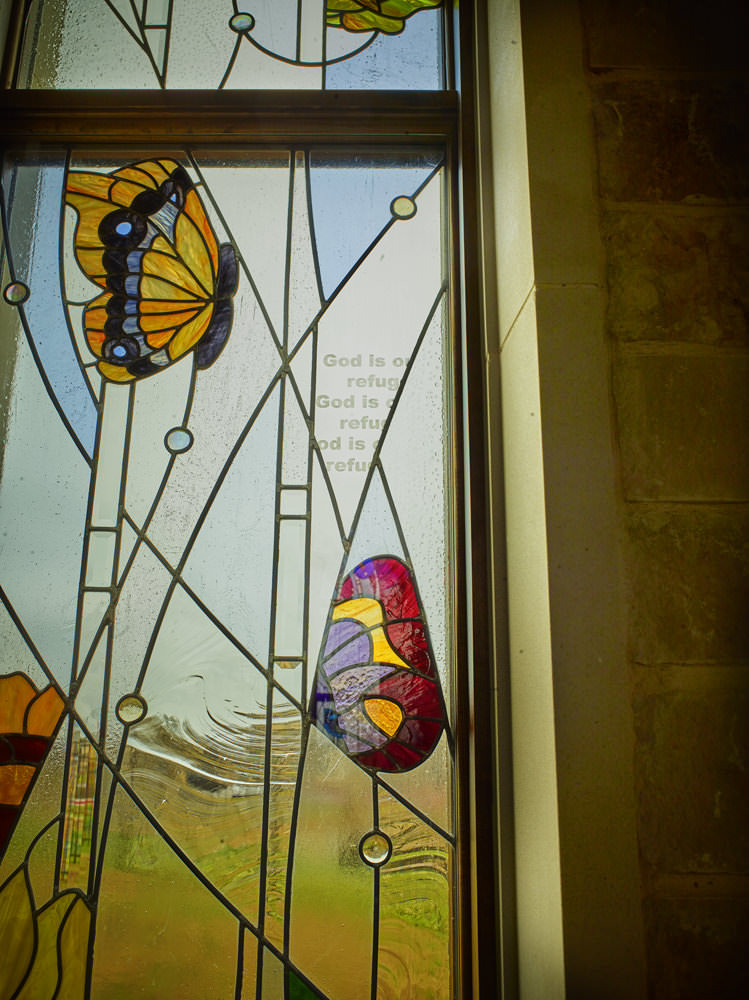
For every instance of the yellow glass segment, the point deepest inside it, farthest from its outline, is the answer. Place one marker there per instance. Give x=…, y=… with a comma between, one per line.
x=14, y=780
x=365, y=610
x=382, y=651
x=91, y=210
x=149, y=169
x=190, y=333
x=114, y=373
x=152, y=287
x=92, y=265
x=150, y=307
x=194, y=210
x=190, y=244
x=16, y=933
x=170, y=268
x=89, y=185
x=385, y=714
x=162, y=244
x=368, y=612
x=160, y=326
x=125, y=192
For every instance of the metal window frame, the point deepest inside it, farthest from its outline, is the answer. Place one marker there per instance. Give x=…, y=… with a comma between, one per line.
x=35, y=120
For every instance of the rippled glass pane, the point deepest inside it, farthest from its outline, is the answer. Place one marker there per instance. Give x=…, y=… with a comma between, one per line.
x=210, y=44
x=227, y=724
x=414, y=959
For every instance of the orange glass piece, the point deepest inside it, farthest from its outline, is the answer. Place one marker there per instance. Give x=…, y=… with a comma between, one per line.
x=14, y=780
x=44, y=713
x=16, y=692
x=385, y=714
x=26, y=710
x=28, y=721
x=150, y=212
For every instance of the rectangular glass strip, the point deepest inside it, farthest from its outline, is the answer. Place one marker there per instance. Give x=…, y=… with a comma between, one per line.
x=101, y=548
x=111, y=456
x=294, y=502
x=290, y=590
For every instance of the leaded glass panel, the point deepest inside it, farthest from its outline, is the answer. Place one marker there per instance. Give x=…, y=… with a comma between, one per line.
x=226, y=568
x=216, y=44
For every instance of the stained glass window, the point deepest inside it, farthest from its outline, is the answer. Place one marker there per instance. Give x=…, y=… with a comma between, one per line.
x=231, y=677
x=216, y=44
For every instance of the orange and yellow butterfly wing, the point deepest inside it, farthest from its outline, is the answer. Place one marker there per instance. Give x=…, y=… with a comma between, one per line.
x=143, y=235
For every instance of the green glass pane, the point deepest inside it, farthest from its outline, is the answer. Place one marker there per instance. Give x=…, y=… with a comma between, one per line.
x=299, y=990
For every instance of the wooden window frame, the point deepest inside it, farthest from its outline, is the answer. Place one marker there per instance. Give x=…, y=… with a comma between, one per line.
x=36, y=120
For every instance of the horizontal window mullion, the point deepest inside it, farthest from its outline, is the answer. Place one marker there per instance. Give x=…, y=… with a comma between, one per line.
x=208, y=116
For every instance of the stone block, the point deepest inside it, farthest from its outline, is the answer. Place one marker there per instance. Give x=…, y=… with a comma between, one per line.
x=683, y=426
x=692, y=768
x=672, y=140
x=665, y=34
x=678, y=277
x=688, y=575
x=697, y=949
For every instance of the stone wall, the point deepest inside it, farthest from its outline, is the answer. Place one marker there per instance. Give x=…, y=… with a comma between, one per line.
x=669, y=86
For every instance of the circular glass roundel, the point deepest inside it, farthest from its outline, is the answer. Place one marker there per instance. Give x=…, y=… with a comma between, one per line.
x=375, y=848
x=242, y=22
x=131, y=708
x=178, y=439
x=16, y=292
x=403, y=207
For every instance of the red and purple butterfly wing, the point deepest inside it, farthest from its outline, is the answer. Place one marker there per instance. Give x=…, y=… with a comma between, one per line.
x=377, y=692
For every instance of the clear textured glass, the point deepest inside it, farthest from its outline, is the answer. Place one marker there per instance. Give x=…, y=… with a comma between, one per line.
x=293, y=502
x=290, y=587
x=111, y=456
x=100, y=557
x=43, y=483
x=333, y=890
x=196, y=953
x=285, y=750
x=209, y=44
x=418, y=874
